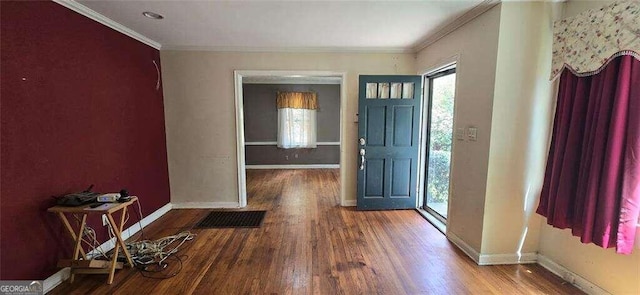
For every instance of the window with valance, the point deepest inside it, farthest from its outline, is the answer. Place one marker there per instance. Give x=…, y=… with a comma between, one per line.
x=297, y=119
x=592, y=178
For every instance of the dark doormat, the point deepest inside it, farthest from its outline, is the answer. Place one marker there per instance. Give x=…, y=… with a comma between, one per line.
x=226, y=219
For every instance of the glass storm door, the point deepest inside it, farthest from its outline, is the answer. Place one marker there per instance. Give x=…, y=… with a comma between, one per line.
x=388, y=126
x=439, y=142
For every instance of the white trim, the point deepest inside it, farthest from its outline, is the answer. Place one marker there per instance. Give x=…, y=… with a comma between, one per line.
x=569, y=276
x=349, y=203
x=439, y=225
x=92, y=14
x=491, y=259
x=294, y=166
x=448, y=28
x=240, y=154
x=512, y=258
x=462, y=245
x=261, y=143
x=289, y=49
x=276, y=143
x=146, y=221
x=292, y=80
x=57, y=278
x=205, y=205
x=239, y=106
x=343, y=139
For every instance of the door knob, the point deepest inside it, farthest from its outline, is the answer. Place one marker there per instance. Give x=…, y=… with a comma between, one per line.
x=362, y=152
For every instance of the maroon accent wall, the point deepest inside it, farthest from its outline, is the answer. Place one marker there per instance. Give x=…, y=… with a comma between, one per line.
x=78, y=106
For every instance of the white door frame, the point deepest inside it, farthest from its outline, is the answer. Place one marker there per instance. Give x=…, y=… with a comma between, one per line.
x=239, y=75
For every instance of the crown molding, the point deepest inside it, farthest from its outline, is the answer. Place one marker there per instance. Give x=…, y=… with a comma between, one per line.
x=395, y=50
x=292, y=80
x=453, y=25
x=92, y=14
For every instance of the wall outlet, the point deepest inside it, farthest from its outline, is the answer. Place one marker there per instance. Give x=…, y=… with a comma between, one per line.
x=105, y=221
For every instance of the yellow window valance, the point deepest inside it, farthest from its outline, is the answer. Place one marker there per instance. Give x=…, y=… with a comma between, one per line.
x=297, y=100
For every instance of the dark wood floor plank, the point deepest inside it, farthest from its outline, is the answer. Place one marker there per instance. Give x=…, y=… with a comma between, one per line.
x=308, y=244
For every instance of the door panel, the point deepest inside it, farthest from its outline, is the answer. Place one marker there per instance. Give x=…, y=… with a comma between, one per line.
x=402, y=126
x=374, y=187
x=401, y=178
x=376, y=120
x=388, y=147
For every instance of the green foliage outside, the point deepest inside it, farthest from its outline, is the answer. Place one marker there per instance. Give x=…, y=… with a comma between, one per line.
x=438, y=185
x=440, y=139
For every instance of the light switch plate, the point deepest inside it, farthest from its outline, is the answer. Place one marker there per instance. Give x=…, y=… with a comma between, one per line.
x=460, y=133
x=472, y=133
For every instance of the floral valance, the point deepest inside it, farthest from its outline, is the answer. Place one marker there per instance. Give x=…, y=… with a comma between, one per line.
x=587, y=42
x=297, y=100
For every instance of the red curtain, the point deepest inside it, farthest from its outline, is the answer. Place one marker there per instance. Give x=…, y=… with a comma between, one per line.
x=592, y=179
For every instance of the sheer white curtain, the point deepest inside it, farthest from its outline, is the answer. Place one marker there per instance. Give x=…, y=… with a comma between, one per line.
x=296, y=128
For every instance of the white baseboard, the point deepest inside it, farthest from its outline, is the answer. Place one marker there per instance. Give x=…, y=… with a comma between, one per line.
x=472, y=253
x=569, y=276
x=132, y=230
x=300, y=166
x=348, y=203
x=56, y=279
x=62, y=275
x=492, y=259
x=204, y=205
x=146, y=221
x=514, y=258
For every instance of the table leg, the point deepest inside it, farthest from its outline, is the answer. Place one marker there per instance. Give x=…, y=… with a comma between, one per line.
x=117, y=231
x=114, y=259
x=119, y=235
x=76, y=249
x=69, y=228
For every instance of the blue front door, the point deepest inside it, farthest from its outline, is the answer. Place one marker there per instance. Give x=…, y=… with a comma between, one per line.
x=389, y=117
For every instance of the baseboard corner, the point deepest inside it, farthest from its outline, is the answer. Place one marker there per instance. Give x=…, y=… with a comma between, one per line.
x=466, y=248
x=348, y=203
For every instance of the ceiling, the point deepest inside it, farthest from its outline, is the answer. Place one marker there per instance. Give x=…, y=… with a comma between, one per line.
x=289, y=25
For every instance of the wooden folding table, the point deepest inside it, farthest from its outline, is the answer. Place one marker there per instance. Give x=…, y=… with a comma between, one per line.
x=85, y=265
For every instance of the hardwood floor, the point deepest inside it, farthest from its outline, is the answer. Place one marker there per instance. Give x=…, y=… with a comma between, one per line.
x=308, y=244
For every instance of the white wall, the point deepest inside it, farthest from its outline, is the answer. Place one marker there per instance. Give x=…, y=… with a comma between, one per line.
x=200, y=113
x=521, y=122
x=615, y=273
x=474, y=46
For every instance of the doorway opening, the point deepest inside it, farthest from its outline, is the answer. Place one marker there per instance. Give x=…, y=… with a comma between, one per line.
x=439, y=141
x=257, y=120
